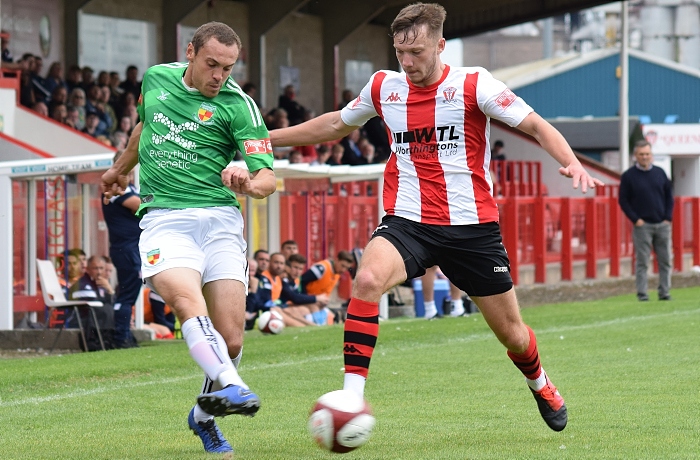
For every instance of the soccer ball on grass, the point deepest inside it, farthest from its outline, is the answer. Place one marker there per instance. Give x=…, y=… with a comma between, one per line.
x=341, y=421
x=270, y=322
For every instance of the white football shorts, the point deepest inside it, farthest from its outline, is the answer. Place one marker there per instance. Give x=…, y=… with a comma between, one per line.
x=209, y=240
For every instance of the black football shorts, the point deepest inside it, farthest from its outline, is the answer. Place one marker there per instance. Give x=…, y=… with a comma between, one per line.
x=471, y=256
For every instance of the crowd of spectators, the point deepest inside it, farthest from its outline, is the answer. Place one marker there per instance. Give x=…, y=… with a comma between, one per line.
x=366, y=145
x=281, y=282
x=102, y=106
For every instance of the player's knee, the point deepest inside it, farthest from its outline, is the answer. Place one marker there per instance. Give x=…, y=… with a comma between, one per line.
x=517, y=339
x=367, y=282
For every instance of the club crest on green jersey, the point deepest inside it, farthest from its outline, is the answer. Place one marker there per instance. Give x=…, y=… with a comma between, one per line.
x=205, y=113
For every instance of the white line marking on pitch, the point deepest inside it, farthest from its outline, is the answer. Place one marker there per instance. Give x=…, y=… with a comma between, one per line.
x=470, y=338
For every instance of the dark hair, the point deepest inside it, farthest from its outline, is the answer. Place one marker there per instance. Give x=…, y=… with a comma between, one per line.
x=76, y=252
x=346, y=256
x=498, y=144
x=412, y=17
x=289, y=243
x=248, y=86
x=298, y=258
x=218, y=30
x=258, y=252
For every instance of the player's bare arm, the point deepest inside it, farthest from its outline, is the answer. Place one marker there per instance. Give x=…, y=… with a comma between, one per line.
x=327, y=127
x=115, y=180
x=259, y=184
x=554, y=143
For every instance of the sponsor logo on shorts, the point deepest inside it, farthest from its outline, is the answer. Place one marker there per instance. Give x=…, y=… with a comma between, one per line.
x=153, y=257
x=500, y=269
x=256, y=146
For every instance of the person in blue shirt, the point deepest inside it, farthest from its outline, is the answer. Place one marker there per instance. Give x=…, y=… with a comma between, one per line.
x=124, y=232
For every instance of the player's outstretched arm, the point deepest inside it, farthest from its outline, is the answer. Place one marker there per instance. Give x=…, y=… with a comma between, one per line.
x=259, y=184
x=554, y=143
x=115, y=180
x=324, y=128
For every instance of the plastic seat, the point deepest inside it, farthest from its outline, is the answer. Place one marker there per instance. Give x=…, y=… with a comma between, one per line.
x=52, y=293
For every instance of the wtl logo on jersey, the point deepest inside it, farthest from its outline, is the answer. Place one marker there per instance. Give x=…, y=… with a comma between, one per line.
x=449, y=95
x=393, y=97
x=205, y=113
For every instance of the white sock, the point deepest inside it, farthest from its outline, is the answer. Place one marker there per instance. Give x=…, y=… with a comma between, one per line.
x=199, y=414
x=309, y=317
x=430, y=309
x=355, y=383
x=237, y=360
x=208, y=349
x=457, y=307
x=539, y=382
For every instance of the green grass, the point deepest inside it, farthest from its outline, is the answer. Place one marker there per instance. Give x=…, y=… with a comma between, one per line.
x=630, y=373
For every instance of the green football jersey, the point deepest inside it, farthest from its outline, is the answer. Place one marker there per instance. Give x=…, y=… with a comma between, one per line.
x=188, y=139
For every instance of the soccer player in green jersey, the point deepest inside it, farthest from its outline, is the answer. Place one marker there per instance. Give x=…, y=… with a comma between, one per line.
x=194, y=116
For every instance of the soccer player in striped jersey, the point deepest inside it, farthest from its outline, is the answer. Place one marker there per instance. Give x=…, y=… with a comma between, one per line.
x=438, y=193
x=194, y=118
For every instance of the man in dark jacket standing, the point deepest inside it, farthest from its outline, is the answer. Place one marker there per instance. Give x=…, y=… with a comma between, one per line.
x=646, y=198
x=120, y=216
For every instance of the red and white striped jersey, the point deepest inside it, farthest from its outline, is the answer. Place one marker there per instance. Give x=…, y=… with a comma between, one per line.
x=438, y=172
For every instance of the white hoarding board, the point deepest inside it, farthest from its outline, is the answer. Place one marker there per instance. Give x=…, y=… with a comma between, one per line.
x=673, y=139
x=113, y=44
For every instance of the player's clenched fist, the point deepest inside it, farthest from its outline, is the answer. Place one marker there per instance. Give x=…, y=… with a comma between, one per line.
x=237, y=179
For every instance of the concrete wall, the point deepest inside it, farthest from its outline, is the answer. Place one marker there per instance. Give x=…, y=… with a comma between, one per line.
x=234, y=14
x=150, y=11
x=21, y=18
x=296, y=42
x=365, y=45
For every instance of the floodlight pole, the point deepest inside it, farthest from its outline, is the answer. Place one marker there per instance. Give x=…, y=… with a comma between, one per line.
x=624, y=90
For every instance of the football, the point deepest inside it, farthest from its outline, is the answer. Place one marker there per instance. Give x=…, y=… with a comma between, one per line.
x=270, y=322
x=341, y=421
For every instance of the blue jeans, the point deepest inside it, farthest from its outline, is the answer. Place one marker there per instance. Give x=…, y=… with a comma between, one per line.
x=658, y=237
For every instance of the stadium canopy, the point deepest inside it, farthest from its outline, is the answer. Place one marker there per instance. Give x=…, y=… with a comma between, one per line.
x=464, y=17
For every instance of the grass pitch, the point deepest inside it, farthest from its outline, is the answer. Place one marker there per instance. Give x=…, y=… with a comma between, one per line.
x=629, y=371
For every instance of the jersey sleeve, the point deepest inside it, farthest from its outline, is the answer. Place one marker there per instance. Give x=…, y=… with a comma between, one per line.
x=140, y=106
x=250, y=133
x=499, y=102
x=361, y=109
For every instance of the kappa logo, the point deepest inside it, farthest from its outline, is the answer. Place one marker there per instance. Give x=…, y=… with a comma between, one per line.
x=506, y=98
x=163, y=96
x=393, y=97
x=350, y=349
x=449, y=94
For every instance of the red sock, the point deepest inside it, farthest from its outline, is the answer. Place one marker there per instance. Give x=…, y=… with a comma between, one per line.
x=361, y=330
x=529, y=361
